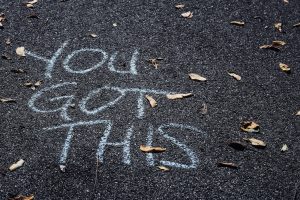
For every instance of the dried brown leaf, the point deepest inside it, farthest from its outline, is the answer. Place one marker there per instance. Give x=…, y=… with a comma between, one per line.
x=38, y=83
x=93, y=35
x=16, y=165
x=284, y=67
x=196, y=77
x=296, y=25
x=20, y=51
x=236, y=76
x=188, y=14
x=154, y=62
x=238, y=23
x=284, y=148
x=151, y=149
x=179, y=6
x=163, y=168
x=152, y=101
x=228, y=164
x=7, y=100
x=21, y=197
x=250, y=127
x=256, y=142
x=278, y=26
x=278, y=43
x=179, y=96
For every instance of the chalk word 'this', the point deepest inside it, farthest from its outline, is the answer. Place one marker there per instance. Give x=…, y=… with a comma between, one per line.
x=126, y=157
x=63, y=109
x=50, y=62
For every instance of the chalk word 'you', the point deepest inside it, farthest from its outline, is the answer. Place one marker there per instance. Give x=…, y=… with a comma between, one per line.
x=50, y=62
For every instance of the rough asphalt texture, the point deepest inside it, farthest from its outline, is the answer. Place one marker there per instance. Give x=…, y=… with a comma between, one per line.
x=206, y=44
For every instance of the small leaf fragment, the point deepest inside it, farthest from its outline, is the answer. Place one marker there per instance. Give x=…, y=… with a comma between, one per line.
x=250, y=127
x=7, y=41
x=62, y=168
x=179, y=96
x=286, y=1
x=20, y=51
x=278, y=26
x=228, y=164
x=188, y=14
x=7, y=100
x=151, y=100
x=238, y=23
x=16, y=165
x=296, y=25
x=256, y=142
x=268, y=46
x=237, y=145
x=33, y=86
x=2, y=19
x=179, y=6
x=93, y=35
x=163, y=168
x=284, y=148
x=6, y=56
x=284, y=67
x=17, y=71
x=21, y=197
x=29, y=4
x=236, y=76
x=203, y=110
x=154, y=62
x=151, y=149
x=298, y=113
x=196, y=77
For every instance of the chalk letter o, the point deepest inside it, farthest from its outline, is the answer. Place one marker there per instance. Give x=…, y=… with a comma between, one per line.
x=69, y=57
x=82, y=104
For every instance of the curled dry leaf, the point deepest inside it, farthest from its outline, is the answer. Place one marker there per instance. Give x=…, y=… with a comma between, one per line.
x=250, y=127
x=7, y=100
x=188, y=14
x=296, y=25
x=163, y=168
x=179, y=6
x=228, y=164
x=284, y=67
x=278, y=26
x=256, y=142
x=21, y=197
x=237, y=77
x=276, y=45
x=196, y=77
x=238, y=23
x=284, y=148
x=16, y=165
x=237, y=145
x=151, y=149
x=20, y=51
x=179, y=96
x=152, y=101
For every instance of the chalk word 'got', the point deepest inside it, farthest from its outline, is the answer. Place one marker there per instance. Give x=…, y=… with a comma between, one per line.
x=80, y=70
x=68, y=99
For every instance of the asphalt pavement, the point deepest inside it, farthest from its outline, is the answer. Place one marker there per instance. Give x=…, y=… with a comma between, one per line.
x=79, y=112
